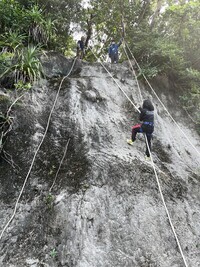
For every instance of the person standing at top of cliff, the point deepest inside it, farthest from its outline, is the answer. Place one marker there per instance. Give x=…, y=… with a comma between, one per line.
x=81, y=48
x=147, y=125
x=113, y=51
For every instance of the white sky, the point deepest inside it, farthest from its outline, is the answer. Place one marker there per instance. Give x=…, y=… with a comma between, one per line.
x=86, y=3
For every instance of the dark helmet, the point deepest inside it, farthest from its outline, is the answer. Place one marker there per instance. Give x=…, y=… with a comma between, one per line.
x=148, y=105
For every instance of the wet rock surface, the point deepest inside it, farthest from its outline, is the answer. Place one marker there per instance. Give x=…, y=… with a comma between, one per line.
x=104, y=208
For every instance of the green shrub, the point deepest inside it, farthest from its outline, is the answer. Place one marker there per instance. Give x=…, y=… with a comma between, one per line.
x=23, y=65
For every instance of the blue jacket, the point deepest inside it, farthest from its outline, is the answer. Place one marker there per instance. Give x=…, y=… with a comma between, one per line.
x=80, y=45
x=113, y=49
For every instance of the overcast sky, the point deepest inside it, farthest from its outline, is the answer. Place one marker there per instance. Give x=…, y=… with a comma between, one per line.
x=85, y=3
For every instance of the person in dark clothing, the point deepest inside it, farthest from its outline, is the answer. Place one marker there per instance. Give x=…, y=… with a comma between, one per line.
x=147, y=125
x=113, y=51
x=81, y=48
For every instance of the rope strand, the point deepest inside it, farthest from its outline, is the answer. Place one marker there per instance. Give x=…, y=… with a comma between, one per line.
x=131, y=65
x=64, y=154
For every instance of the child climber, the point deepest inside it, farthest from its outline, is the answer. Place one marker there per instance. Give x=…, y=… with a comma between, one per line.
x=147, y=125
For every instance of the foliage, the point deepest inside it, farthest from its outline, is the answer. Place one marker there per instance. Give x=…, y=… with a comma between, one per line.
x=49, y=200
x=71, y=47
x=5, y=61
x=11, y=16
x=148, y=71
x=10, y=41
x=42, y=22
x=24, y=28
x=190, y=99
x=62, y=14
x=20, y=86
x=184, y=27
x=28, y=68
x=36, y=29
x=23, y=65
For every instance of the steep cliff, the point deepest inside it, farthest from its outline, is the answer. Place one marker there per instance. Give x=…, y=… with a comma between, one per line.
x=104, y=208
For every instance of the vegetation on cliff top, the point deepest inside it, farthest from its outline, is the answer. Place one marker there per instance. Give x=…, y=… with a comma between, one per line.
x=162, y=34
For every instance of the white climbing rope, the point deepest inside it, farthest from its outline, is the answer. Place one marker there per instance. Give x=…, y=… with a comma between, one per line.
x=131, y=65
x=9, y=119
x=162, y=103
x=157, y=179
x=64, y=154
x=165, y=206
x=36, y=152
x=15, y=101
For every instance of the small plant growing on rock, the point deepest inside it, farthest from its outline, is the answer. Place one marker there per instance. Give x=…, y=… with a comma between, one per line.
x=85, y=187
x=49, y=200
x=24, y=67
x=53, y=253
x=21, y=86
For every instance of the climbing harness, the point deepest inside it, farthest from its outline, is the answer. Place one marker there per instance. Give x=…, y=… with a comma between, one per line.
x=148, y=123
x=36, y=152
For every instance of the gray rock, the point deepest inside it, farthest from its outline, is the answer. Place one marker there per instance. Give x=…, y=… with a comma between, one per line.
x=90, y=95
x=56, y=65
x=104, y=208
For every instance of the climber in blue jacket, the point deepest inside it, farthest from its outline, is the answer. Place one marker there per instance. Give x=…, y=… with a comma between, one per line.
x=113, y=51
x=147, y=125
x=81, y=48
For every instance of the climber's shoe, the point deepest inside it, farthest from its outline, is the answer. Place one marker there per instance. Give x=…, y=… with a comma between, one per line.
x=147, y=158
x=130, y=142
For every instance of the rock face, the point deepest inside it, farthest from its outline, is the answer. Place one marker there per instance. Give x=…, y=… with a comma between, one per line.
x=104, y=208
